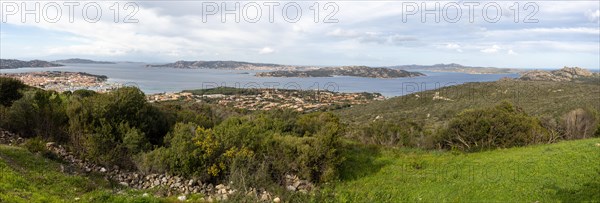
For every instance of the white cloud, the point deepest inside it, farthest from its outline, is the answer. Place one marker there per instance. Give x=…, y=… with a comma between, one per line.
x=491, y=50
x=593, y=16
x=266, y=50
x=454, y=46
x=511, y=52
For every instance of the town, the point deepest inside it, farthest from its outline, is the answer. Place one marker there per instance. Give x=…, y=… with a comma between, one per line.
x=64, y=81
x=267, y=99
x=249, y=99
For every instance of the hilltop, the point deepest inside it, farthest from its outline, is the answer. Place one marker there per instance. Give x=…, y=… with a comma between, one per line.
x=82, y=61
x=13, y=63
x=356, y=71
x=453, y=67
x=562, y=75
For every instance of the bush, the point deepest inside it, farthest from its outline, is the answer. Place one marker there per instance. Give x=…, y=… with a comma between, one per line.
x=121, y=119
x=497, y=127
x=38, y=146
x=260, y=149
x=10, y=90
x=39, y=113
x=389, y=133
x=579, y=124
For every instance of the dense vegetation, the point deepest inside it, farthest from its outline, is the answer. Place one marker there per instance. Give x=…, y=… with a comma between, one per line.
x=358, y=145
x=483, y=112
x=204, y=141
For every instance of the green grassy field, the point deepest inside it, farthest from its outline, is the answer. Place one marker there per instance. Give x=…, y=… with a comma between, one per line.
x=26, y=177
x=568, y=171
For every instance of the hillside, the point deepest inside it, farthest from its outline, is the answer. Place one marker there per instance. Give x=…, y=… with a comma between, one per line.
x=355, y=71
x=561, y=172
x=12, y=64
x=436, y=107
x=82, y=61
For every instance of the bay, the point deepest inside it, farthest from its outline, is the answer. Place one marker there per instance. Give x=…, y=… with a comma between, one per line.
x=159, y=80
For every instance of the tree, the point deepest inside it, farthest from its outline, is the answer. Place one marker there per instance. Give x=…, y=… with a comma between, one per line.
x=10, y=90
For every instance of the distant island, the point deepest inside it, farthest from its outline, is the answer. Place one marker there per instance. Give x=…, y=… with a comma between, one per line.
x=230, y=65
x=563, y=75
x=13, y=63
x=356, y=71
x=453, y=67
x=82, y=61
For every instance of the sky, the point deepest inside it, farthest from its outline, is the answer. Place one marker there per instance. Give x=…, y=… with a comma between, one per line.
x=508, y=34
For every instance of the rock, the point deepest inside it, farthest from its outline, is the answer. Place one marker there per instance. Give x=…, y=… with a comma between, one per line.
x=276, y=200
x=562, y=75
x=191, y=182
x=145, y=195
x=265, y=196
x=124, y=184
x=77, y=198
x=182, y=198
x=597, y=144
x=102, y=170
x=297, y=184
x=50, y=144
x=291, y=188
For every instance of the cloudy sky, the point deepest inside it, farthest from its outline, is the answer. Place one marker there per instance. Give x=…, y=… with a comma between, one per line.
x=548, y=34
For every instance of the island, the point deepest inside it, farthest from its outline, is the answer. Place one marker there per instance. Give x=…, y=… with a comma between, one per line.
x=457, y=68
x=82, y=61
x=13, y=64
x=229, y=65
x=355, y=71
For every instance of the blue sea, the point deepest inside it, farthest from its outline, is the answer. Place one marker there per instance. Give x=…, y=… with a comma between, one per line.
x=160, y=80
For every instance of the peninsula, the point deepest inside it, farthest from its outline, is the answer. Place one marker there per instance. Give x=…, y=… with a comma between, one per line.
x=82, y=61
x=13, y=63
x=355, y=71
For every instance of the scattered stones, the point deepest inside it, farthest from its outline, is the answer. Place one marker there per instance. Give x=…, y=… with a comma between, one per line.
x=276, y=200
x=174, y=185
x=9, y=138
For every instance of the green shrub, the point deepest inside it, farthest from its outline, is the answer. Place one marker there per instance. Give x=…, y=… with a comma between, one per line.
x=39, y=113
x=389, y=133
x=35, y=145
x=260, y=148
x=498, y=127
x=10, y=90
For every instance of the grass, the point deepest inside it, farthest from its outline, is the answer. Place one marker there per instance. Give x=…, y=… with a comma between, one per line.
x=568, y=171
x=562, y=172
x=27, y=177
